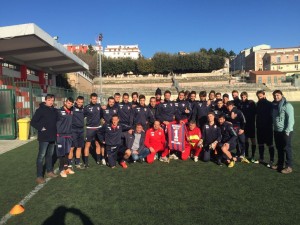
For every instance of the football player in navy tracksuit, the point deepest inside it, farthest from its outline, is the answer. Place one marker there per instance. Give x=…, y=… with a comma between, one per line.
x=212, y=99
x=153, y=108
x=134, y=97
x=166, y=114
x=110, y=110
x=111, y=135
x=142, y=114
x=238, y=121
x=236, y=100
x=92, y=112
x=248, y=108
x=228, y=141
x=220, y=109
x=192, y=99
x=77, y=132
x=183, y=109
x=211, y=135
x=201, y=110
x=125, y=110
x=117, y=97
x=64, y=136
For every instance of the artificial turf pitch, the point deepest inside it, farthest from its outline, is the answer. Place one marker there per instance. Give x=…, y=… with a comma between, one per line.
x=175, y=193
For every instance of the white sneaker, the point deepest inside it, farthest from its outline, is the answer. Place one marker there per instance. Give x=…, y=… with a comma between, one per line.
x=63, y=174
x=173, y=156
x=103, y=162
x=196, y=159
x=164, y=159
x=155, y=157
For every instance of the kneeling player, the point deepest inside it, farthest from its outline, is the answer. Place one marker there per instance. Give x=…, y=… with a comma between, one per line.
x=211, y=135
x=228, y=141
x=194, y=139
x=155, y=141
x=111, y=135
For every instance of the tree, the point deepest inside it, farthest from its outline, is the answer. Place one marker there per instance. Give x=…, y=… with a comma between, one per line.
x=163, y=63
x=232, y=53
x=144, y=66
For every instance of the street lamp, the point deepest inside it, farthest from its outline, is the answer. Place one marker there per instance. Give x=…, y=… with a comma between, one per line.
x=100, y=37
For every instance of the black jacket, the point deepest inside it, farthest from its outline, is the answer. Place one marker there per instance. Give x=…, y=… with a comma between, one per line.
x=64, y=123
x=166, y=111
x=200, y=111
x=227, y=132
x=211, y=134
x=124, y=111
x=108, y=113
x=141, y=114
x=129, y=139
x=264, y=114
x=92, y=112
x=78, y=117
x=44, y=120
x=112, y=136
x=181, y=106
x=239, y=122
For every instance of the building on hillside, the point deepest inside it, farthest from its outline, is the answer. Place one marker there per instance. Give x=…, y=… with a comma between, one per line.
x=282, y=61
x=267, y=77
x=255, y=59
x=81, y=48
x=122, y=51
x=81, y=81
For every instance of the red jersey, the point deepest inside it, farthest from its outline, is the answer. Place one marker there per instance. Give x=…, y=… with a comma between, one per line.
x=194, y=136
x=155, y=139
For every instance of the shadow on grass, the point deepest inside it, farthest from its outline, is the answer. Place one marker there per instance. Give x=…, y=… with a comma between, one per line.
x=59, y=215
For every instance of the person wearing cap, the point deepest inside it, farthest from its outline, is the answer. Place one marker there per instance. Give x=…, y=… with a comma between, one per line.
x=158, y=95
x=283, y=122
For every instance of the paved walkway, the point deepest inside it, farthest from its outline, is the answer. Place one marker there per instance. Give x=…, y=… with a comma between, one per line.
x=8, y=145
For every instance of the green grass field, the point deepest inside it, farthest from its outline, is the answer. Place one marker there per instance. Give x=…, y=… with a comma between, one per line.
x=175, y=193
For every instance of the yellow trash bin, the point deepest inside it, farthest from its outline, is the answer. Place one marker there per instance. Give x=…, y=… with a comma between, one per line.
x=24, y=127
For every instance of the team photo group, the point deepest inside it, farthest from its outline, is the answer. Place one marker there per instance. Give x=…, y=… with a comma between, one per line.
x=129, y=130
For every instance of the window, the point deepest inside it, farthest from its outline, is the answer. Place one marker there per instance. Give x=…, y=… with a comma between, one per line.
x=282, y=78
x=259, y=80
x=296, y=67
x=296, y=58
x=287, y=57
x=31, y=72
x=278, y=59
x=275, y=80
x=269, y=80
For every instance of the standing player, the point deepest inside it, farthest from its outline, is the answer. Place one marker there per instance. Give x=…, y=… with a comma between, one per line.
x=248, y=108
x=212, y=98
x=192, y=99
x=155, y=141
x=225, y=98
x=117, y=97
x=264, y=127
x=92, y=112
x=158, y=96
x=183, y=109
x=211, y=135
x=77, y=132
x=124, y=110
x=141, y=114
x=110, y=110
x=236, y=100
x=166, y=114
x=135, y=97
x=64, y=136
x=153, y=107
x=201, y=110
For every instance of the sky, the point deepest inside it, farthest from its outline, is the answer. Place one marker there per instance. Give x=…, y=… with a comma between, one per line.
x=162, y=25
